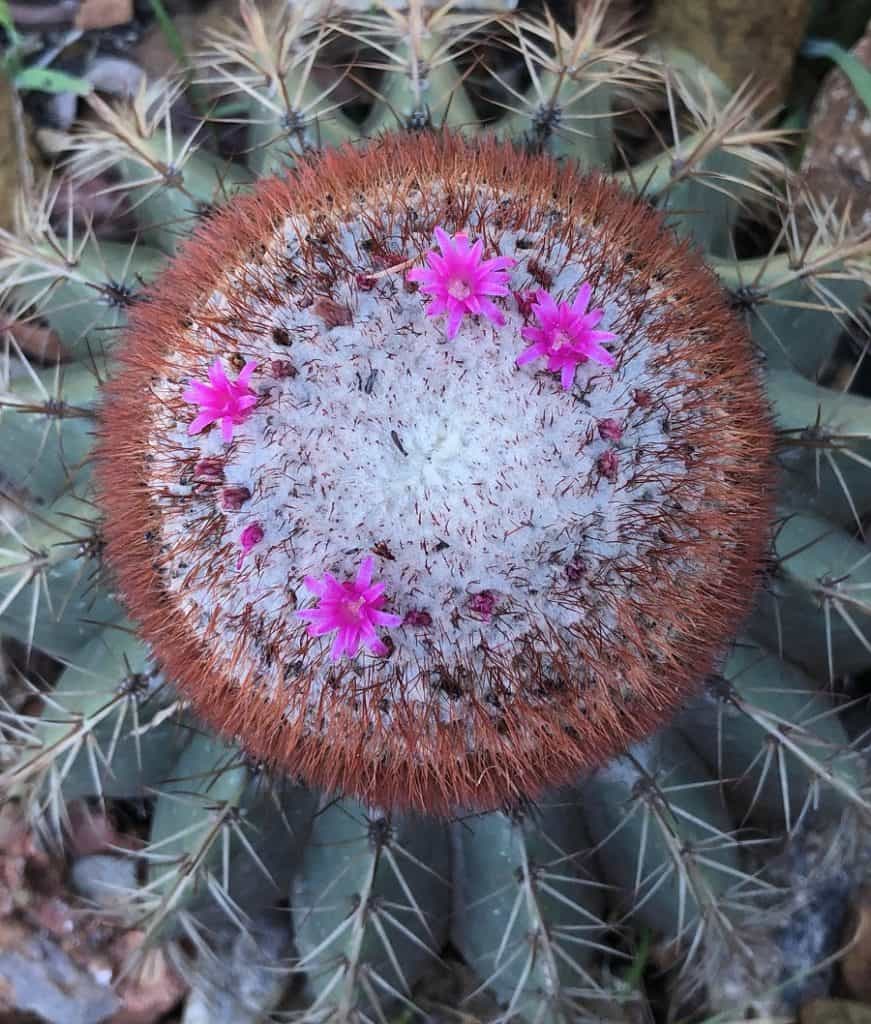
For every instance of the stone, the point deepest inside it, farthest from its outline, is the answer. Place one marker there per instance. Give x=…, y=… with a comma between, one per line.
x=252, y=981
x=38, y=977
x=105, y=879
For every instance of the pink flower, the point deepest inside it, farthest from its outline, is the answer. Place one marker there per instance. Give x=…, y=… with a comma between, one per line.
x=222, y=399
x=566, y=335
x=459, y=281
x=248, y=539
x=351, y=609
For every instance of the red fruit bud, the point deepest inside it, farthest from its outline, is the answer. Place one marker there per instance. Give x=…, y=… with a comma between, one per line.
x=233, y=498
x=209, y=471
x=333, y=314
x=576, y=570
x=607, y=465
x=283, y=369
x=524, y=301
x=483, y=604
x=610, y=430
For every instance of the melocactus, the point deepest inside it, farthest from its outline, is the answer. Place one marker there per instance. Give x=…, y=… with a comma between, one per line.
x=434, y=472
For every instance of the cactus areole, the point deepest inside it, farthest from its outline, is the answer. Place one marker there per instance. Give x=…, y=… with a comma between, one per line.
x=436, y=473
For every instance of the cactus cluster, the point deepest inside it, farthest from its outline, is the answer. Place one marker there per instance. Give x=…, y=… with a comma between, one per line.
x=440, y=640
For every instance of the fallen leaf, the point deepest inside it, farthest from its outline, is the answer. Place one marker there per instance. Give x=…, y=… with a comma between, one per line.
x=103, y=14
x=151, y=989
x=41, y=344
x=737, y=38
x=834, y=1011
x=836, y=163
x=856, y=964
x=10, y=156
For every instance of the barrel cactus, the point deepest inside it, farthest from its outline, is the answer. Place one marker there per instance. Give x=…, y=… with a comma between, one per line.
x=438, y=526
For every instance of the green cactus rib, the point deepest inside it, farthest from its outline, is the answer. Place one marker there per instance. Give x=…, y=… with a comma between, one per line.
x=108, y=729
x=659, y=841
x=426, y=90
x=825, y=447
x=815, y=608
x=224, y=842
x=167, y=182
x=528, y=910
x=51, y=590
x=664, y=838
x=370, y=906
x=775, y=740
x=193, y=822
x=47, y=419
x=81, y=288
x=797, y=305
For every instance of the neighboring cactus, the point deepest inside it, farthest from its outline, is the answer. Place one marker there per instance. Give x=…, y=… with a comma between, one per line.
x=492, y=669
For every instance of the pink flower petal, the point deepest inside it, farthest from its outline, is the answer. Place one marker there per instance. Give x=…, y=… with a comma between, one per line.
x=455, y=316
x=386, y=619
x=533, y=352
x=201, y=422
x=582, y=299
x=247, y=370
x=364, y=573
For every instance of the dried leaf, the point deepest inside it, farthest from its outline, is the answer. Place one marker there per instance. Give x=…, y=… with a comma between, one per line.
x=834, y=1011
x=104, y=13
x=836, y=164
x=848, y=62
x=856, y=964
x=737, y=38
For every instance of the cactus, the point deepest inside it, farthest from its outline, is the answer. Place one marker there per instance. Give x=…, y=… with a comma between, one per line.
x=463, y=647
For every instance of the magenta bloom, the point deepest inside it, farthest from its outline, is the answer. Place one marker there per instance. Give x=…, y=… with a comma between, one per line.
x=222, y=399
x=351, y=609
x=459, y=281
x=248, y=539
x=565, y=335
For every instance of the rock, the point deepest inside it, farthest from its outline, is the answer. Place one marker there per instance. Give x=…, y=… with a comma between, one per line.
x=105, y=879
x=112, y=75
x=115, y=75
x=836, y=164
x=251, y=981
x=37, y=976
x=20, y=859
